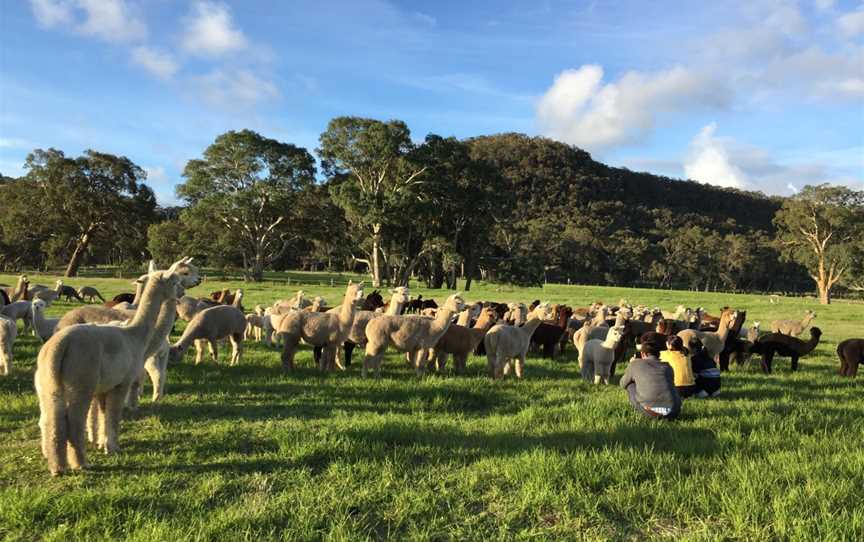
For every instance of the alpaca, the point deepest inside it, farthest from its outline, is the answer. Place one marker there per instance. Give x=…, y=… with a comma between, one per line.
x=93, y=314
x=778, y=343
x=714, y=342
x=413, y=334
x=318, y=305
x=88, y=293
x=19, y=310
x=67, y=291
x=399, y=298
x=516, y=314
x=8, y=332
x=510, y=343
x=793, y=327
x=851, y=354
x=80, y=362
x=188, y=307
x=19, y=292
x=600, y=355
x=548, y=334
x=4, y=298
x=44, y=327
x=324, y=329
x=460, y=340
x=209, y=326
x=254, y=326
x=45, y=293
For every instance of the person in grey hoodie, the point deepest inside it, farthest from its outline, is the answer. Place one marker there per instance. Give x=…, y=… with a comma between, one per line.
x=650, y=383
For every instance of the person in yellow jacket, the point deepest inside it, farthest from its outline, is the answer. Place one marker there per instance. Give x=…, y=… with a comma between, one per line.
x=677, y=356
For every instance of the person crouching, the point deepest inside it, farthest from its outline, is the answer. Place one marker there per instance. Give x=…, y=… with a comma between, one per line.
x=650, y=383
x=678, y=357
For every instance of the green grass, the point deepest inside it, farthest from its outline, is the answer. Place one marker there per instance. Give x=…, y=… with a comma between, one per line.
x=248, y=452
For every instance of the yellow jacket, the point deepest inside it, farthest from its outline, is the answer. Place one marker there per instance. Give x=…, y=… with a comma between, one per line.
x=680, y=366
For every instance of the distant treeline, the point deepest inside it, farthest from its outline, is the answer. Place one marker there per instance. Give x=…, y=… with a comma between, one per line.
x=507, y=207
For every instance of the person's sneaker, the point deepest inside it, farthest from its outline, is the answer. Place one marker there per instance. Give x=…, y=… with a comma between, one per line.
x=716, y=393
x=702, y=394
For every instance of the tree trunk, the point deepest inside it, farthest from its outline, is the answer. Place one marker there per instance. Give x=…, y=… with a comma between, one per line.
x=824, y=293
x=75, y=260
x=376, y=250
x=258, y=268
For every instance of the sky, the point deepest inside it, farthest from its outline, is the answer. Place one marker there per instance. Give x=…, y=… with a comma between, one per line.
x=761, y=95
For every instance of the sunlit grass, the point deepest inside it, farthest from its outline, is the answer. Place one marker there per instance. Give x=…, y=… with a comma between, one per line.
x=249, y=452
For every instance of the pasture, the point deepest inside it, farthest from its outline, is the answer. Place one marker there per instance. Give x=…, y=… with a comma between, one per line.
x=249, y=452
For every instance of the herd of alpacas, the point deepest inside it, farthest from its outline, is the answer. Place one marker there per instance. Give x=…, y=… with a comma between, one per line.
x=93, y=359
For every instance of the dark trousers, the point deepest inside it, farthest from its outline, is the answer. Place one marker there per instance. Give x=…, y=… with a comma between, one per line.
x=687, y=391
x=709, y=385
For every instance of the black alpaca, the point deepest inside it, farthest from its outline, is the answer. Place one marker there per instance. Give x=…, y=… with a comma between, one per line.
x=778, y=344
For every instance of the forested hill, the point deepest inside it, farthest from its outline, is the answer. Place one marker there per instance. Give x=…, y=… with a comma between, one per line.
x=553, y=175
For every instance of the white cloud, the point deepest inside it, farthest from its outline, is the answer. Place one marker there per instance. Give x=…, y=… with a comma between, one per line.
x=12, y=143
x=235, y=90
x=160, y=64
x=51, y=13
x=709, y=161
x=724, y=161
x=156, y=174
x=109, y=20
x=425, y=19
x=581, y=110
x=852, y=24
x=824, y=5
x=210, y=31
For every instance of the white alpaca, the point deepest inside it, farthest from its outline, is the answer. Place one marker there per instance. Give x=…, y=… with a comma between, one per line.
x=208, y=326
x=81, y=362
x=510, y=343
x=793, y=327
x=597, y=356
x=8, y=332
x=44, y=326
x=408, y=333
x=19, y=310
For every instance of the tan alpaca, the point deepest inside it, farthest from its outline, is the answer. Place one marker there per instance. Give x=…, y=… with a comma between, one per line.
x=326, y=329
x=597, y=356
x=714, y=342
x=411, y=333
x=793, y=327
x=19, y=310
x=399, y=297
x=460, y=340
x=8, y=332
x=208, y=326
x=510, y=343
x=80, y=362
x=19, y=292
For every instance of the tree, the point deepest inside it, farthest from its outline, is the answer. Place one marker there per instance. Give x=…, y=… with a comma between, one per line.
x=822, y=228
x=373, y=177
x=96, y=197
x=253, y=190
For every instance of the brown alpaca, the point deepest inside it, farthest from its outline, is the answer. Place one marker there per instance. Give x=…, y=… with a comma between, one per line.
x=19, y=292
x=714, y=342
x=461, y=340
x=779, y=344
x=851, y=354
x=81, y=362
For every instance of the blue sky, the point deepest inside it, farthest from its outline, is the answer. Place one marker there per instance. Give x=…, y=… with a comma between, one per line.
x=761, y=94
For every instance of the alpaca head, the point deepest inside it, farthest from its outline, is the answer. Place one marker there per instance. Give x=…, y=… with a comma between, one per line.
x=816, y=333
x=353, y=291
x=59, y=283
x=475, y=309
x=543, y=311
x=164, y=283
x=187, y=273
x=455, y=303
x=38, y=306
x=615, y=333
x=400, y=295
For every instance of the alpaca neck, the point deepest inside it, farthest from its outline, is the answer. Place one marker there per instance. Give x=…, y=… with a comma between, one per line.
x=442, y=319
x=806, y=321
x=812, y=343
x=346, y=313
x=139, y=291
x=238, y=297
x=396, y=305
x=611, y=341
x=164, y=323
x=723, y=329
x=619, y=319
x=141, y=326
x=464, y=318
x=484, y=322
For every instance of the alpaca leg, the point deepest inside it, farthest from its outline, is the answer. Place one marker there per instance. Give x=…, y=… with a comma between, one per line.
x=214, y=350
x=76, y=416
x=289, y=346
x=853, y=369
x=766, y=362
x=794, y=362
x=113, y=414
x=519, y=363
x=94, y=419
x=349, y=349
x=157, y=373
x=236, y=348
x=317, y=351
x=419, y=361
x=506, y=369
x=459, y=363
x=199, y=351
x=132, y=400
x=440, y=358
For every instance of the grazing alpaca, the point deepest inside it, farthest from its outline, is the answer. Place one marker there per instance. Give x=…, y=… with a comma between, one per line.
x=851, y=354
x=793, y=327
x=460, y=340
x=88, y=293
x=8, y=332
x=67, y=291
x=510, y=343
x=600, y=355
x=714, y=342
x=325, y=329
x=45, y=293
x=81, y=362
x=779, y=344
x=44, y=327
x=209, y=326
x=412, y=334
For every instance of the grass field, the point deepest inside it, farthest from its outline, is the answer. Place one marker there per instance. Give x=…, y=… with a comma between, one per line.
x=249, y=453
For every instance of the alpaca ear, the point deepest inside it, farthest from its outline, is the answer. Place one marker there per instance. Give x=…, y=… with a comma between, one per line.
x=151, y=267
